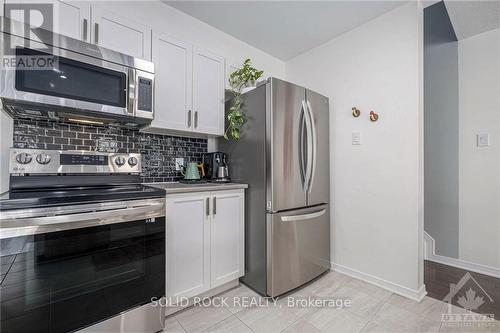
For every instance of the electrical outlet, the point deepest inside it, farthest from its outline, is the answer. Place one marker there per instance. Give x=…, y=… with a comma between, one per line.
x=178, y=162
x=483, y=139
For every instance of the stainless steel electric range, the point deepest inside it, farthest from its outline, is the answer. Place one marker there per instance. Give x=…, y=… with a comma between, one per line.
x=82, y=244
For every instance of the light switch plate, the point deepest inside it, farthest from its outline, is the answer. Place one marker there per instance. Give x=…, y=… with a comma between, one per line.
x=483, y=139
x=356, y=138
x=178, y=162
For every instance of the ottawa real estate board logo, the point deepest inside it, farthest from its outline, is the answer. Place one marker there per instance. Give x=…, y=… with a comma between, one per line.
x=465, y=300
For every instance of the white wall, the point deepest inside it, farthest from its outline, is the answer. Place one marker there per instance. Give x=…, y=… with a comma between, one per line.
x=177, y=24
x=376, y=190
x=479, y=91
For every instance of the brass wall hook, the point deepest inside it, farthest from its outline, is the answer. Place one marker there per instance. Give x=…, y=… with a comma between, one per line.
x=373, y=116
x=355, y=112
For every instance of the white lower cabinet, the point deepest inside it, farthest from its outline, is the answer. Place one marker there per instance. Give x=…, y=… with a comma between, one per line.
x=188, y=244
x=205, y=241
x=227, y=240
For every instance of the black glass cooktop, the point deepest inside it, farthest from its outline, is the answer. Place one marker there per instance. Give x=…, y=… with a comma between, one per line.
x=29, y=198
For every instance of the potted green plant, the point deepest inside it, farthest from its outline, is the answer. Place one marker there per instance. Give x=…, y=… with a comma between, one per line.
x=239, y=81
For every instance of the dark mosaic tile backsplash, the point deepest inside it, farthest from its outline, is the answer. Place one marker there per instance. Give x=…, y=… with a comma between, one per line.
x=158, y=151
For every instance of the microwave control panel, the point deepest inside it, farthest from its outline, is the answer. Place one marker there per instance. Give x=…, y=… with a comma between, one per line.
x=145, y=102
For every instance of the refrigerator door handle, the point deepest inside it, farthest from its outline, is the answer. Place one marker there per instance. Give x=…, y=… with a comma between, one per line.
x=301, y=145
x=314, y=145
x=309, y=148
x=309, y=216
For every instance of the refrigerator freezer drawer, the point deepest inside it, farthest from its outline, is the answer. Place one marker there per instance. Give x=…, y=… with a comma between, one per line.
x=298, y=247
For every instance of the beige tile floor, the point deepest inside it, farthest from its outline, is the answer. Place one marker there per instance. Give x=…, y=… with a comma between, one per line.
x=372, y=309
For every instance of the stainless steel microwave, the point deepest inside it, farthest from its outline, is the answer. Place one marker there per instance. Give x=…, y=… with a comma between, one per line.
x=61, y=77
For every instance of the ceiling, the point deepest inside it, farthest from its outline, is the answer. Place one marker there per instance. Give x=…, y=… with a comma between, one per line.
x=470, y=18
x=285, y=29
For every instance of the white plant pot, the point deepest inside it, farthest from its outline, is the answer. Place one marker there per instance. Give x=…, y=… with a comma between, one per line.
x=249, y=86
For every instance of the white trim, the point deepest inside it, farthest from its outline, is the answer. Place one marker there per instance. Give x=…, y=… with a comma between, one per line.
x=170, y=310
x=416, y=295
x=430, y=254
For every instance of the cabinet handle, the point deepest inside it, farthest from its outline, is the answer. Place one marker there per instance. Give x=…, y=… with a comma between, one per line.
x=189, y=118
x=96, y=31
x=214, y=205
x=85, y=27
x=207, y=209
x=195, y=119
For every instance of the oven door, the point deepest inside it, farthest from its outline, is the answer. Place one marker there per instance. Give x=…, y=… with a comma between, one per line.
x=62, y=78
x=69, y=279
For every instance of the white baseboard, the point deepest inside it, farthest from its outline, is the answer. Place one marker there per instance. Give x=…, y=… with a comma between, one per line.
x=430, y=254
x=170, y=310
x=416, y=295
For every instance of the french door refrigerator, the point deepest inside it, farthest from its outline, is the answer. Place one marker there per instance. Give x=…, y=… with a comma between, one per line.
x=283, y=155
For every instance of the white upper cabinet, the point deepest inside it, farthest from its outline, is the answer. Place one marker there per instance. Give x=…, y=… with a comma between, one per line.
x=173, y=95
x=208, y=92
x=69, y=18
x=189, y=88
x=91, y=23
x=72, y=19
x=121, y=34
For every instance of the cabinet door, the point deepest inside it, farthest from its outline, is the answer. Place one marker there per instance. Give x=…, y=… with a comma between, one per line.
x=72, y=19
x=188, y=244
x=208, y=92
x=30, y=13
x=227, y=243
x=69, y=18
x=120, y=34
x=173, y=61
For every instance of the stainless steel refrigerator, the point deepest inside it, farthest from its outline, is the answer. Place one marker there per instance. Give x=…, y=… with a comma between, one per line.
x=283, y=155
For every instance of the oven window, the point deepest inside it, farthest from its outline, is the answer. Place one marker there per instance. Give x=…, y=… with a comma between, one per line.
x=63, y=281
x=74, y=80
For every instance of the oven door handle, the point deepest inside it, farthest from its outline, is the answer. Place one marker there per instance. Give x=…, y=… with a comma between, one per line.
x=42, y=224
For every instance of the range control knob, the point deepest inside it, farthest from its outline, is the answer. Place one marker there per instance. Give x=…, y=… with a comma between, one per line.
x=23, y=158
x=132, y=161
x=120, y=160
x=43, y=158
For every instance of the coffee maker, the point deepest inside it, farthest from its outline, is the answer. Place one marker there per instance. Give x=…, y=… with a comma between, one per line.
x=216, y=169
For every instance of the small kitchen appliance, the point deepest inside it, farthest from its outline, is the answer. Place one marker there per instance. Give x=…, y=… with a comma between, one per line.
x=191, y=173
x=216, y=167
x=83, y=244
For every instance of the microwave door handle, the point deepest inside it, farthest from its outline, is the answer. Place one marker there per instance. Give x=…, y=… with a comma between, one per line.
x=132, y=91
